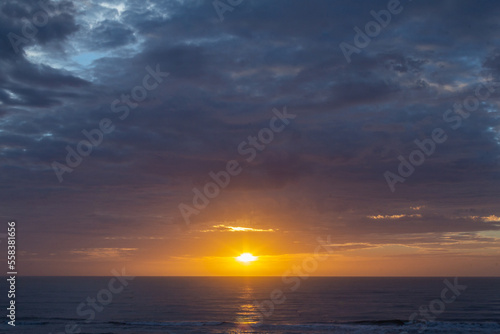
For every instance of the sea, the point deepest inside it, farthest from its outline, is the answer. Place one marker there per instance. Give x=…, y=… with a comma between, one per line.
x=354, y=305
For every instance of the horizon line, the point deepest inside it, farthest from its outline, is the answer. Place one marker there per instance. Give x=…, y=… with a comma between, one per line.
x=246, y=276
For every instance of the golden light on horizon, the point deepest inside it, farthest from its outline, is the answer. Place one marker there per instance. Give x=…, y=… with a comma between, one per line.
x=246, y=258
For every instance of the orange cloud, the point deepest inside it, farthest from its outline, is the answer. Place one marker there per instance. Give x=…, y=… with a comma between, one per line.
x=394, y=216
x=104, y=253
x=224, y=228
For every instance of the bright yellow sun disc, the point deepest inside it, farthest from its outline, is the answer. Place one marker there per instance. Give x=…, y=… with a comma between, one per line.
x=246, y=257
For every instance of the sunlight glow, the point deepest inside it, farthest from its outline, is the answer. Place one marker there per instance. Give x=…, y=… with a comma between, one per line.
x=246, y=257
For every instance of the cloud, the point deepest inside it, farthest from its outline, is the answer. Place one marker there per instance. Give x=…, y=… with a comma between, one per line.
x=323, y=173
x=491, y=218
x=395, y=216
x=111, y=34
x=104, y=253
x=488, y=219
x=224, y=228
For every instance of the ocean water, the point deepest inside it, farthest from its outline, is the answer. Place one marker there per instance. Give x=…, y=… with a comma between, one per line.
x=245, y=305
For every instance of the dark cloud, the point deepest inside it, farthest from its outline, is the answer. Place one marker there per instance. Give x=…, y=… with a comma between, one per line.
x=27, y=23
x=111, y=34
x=324, y=171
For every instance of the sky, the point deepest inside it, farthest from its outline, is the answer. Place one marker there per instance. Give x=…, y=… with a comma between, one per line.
x=371, y=128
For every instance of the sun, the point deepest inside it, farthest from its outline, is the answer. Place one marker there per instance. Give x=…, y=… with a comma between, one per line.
x=246, y=258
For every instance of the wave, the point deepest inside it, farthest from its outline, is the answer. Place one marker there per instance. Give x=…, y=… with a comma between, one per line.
x=395, y=326
x=170, y=323
x=363, y=323
x=395, y=322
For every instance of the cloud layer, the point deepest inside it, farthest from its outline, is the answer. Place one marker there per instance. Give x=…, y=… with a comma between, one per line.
x=324, y=174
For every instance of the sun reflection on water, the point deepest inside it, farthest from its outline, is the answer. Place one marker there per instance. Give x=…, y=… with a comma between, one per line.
x=247, y=313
